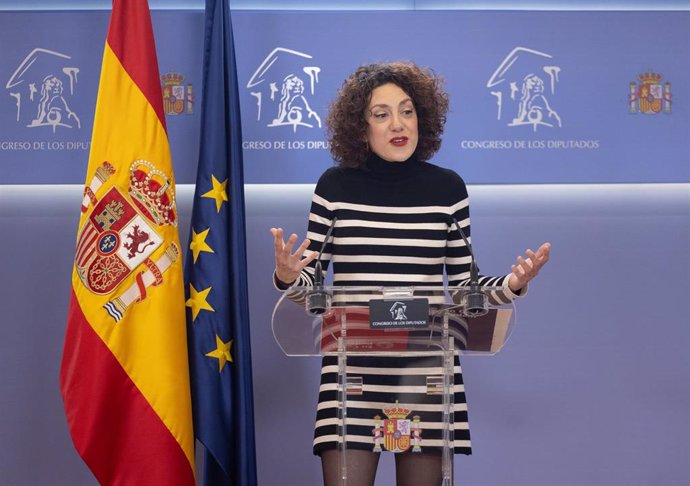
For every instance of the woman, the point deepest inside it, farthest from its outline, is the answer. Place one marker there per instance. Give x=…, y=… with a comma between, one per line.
x=395, y=227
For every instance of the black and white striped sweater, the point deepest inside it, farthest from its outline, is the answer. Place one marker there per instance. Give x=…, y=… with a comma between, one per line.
x=395, y=227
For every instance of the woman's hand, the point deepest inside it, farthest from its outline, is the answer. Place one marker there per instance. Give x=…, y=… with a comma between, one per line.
x=288, y=264
x=528, y=268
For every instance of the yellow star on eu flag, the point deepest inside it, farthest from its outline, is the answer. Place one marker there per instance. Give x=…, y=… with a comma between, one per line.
x=199, y=244
x=218, y=192
x=197, y=301
x=221, y=353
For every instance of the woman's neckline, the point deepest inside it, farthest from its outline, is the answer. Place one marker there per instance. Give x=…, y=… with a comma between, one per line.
x=377, y=165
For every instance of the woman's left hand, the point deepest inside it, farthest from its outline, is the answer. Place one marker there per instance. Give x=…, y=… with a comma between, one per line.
x=528, y=268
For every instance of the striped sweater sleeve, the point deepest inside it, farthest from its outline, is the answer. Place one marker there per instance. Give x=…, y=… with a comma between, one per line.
x=320, y=219
x=458, y=257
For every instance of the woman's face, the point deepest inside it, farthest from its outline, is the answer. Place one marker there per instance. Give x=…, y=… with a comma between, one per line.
x=392, y=123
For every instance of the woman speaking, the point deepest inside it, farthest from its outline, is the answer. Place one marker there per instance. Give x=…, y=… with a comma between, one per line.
x=395, y=227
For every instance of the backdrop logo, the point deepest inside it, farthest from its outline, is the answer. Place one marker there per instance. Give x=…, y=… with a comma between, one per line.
x=43, y=87
x=282, y=85
x=398, y=311
x=524, y=85
x=177, y=98
x=650, y=96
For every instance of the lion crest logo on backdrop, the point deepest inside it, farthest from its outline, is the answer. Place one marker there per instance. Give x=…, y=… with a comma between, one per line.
x=282, y=86
x=43, y=86
x=524, y=85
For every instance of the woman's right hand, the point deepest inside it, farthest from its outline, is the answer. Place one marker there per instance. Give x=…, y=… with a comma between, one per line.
x=289, y=265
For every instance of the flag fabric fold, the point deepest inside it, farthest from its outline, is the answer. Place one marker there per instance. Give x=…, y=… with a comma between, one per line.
x=125, y=375
x=216, y=272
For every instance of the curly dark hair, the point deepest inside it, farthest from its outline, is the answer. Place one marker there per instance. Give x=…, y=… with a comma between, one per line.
x=347, y=123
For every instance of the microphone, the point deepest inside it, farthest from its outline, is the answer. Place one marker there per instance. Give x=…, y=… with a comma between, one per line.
x=318, y=300
x=474, y=301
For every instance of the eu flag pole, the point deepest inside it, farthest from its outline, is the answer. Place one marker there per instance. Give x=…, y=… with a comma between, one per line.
x=216, y=272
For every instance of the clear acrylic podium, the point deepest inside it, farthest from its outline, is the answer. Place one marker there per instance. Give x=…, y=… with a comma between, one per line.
x=332, y=320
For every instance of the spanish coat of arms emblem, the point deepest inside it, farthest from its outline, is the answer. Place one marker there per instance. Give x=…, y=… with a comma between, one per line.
x=650, y=96
x=397, y=432
x=122, y=231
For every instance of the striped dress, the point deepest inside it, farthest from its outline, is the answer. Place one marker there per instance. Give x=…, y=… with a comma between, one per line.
x=394, y=228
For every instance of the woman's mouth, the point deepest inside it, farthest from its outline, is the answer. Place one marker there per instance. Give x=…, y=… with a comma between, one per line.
x=398, y=141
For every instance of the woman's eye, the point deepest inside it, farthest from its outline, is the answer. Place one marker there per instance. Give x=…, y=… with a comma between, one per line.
x=408, y=112
x=380, y=116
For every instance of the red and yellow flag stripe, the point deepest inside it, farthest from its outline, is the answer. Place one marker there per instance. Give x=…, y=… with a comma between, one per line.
x=125, y=383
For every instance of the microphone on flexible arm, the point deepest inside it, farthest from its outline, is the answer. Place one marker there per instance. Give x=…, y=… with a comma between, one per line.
x=318, y=300
x=475, y=302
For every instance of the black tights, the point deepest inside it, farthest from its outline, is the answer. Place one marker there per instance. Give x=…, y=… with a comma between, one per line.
x=411, y=468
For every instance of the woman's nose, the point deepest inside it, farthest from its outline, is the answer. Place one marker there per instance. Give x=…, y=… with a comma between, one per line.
x=396, y=123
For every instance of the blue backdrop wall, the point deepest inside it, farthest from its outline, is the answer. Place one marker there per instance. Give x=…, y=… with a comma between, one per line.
x=593, y=387
x=606, y=90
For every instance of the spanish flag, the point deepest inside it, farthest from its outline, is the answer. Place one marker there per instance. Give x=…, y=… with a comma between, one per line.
x=125, y=376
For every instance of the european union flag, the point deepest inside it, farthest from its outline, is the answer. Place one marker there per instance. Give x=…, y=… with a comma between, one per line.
x=216, y=272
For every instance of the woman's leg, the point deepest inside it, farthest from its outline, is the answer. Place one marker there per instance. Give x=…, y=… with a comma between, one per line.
x=361, y=467
x=418, y=469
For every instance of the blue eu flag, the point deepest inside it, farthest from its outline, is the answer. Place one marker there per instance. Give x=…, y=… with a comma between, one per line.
x=216, y=272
